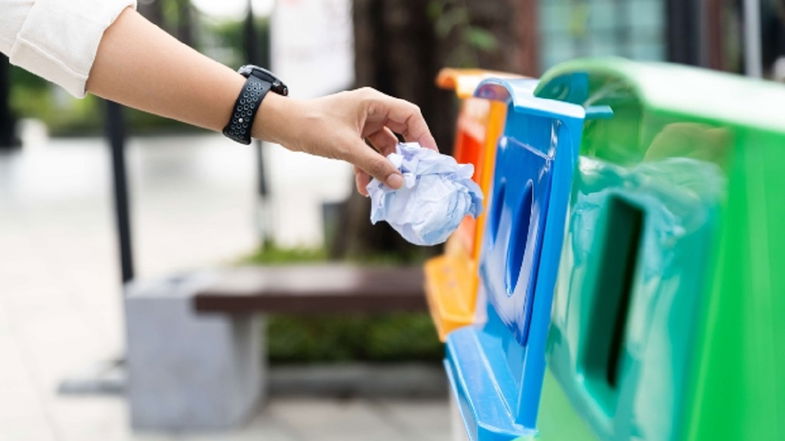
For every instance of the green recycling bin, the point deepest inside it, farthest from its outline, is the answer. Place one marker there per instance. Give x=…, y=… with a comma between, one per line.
x=668, y=318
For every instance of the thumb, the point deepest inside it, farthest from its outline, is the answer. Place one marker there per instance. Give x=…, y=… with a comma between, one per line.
x=376, y=165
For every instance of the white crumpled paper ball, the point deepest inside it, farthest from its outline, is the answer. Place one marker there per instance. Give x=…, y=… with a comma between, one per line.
x=436, y=195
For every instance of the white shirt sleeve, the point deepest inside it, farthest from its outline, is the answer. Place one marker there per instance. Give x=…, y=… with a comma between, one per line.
x=57, y=39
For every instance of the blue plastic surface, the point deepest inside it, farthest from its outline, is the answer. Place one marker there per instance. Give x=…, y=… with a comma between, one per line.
x=496, y=367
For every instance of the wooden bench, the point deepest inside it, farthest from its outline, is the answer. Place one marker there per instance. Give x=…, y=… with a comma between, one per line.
x=314, y=289
x=197, y=341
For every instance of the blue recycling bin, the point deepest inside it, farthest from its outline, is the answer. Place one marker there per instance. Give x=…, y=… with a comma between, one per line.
x=496, y=366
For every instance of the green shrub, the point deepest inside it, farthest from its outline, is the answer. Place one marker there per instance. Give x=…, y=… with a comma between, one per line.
x=271, y=254
x=347, y=337
x=375, y=338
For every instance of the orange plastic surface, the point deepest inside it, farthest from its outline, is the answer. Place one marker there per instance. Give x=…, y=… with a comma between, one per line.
x=470, y=133
x=448, y=283
x=452, y=279
x=464, y=81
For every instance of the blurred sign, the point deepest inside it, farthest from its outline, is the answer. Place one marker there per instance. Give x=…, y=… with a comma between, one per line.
x=312, y=50
x=313, y=45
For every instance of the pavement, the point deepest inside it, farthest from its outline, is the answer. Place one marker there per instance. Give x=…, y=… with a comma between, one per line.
x=193, y=206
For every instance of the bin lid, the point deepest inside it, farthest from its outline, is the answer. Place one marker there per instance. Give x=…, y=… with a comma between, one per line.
x=673, y=88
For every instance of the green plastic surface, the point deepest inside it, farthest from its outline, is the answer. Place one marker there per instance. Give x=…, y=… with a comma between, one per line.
x=669, y=312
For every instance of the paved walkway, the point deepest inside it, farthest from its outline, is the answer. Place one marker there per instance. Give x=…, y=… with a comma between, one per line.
x=193, y=206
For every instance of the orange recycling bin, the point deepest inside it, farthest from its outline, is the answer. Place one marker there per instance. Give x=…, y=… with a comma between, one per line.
x=452, y=279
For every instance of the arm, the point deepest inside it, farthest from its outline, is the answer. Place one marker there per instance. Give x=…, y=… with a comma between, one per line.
x=141, y=66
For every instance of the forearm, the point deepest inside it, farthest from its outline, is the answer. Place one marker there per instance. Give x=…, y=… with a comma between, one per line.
x=141, y=66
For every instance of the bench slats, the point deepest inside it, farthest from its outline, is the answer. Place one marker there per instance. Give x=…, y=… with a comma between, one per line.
x=315, y=289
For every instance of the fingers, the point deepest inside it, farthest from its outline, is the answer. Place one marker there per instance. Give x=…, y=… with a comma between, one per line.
x=374, y=164
x=383, y=140
x=406, y=119
x=402, y=117
x=381, y=117
x=361, y=180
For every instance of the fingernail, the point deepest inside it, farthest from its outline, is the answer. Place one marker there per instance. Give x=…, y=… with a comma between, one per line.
x=394, y=180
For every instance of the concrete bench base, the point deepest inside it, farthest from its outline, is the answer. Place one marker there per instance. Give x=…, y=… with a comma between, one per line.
x=195, y=352
x=188, y=371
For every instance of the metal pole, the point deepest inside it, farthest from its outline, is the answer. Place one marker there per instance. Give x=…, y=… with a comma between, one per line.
x=115, y=132
x=253, y=56
x=753, y=64
x=7, y=124
x=109, y=377
x=681, y=30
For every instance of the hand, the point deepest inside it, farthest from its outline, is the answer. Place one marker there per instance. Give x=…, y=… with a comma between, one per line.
x=338, y=126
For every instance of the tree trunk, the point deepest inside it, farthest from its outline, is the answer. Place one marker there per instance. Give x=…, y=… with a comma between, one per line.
x=398, y=51
x=513, y=24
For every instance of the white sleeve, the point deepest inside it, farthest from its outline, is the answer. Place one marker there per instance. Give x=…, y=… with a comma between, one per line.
x=12, y=15
x=57, y=39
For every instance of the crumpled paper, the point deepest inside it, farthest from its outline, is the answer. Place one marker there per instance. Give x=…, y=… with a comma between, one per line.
x=436, y=195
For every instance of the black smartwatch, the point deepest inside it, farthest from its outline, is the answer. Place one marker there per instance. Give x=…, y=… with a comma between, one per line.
x=258, y=82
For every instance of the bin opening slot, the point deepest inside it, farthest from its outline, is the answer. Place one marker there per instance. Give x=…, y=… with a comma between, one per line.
x=497, y=205
x=519, y=238
x=613, y=290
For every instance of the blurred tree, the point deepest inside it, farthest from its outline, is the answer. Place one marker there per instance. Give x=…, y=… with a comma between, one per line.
x=185, y=22
x=175, y=16
x=33, y=97
x=400, y=45
x=232, y=37
x=7, y=121
x=493, y=35
x=152, y=10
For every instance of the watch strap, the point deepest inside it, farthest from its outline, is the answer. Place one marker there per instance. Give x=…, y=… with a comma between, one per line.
x=245, y=108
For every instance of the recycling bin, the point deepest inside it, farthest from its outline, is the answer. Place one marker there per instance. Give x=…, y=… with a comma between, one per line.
x=451, y=278
x=667, y=318
x=496, y=366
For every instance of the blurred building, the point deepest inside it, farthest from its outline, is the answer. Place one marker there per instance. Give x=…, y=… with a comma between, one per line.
x=628, y=28
x=703, y=33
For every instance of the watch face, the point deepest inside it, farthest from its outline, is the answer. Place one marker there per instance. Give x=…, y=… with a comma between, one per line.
x=245, y=70
x=263, y=74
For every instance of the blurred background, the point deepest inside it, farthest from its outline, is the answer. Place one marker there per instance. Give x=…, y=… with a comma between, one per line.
x=93, y=195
